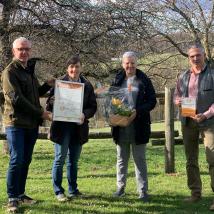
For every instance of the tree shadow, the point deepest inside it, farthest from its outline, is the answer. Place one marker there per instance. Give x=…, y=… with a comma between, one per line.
x=91, y=203
x=129, y=175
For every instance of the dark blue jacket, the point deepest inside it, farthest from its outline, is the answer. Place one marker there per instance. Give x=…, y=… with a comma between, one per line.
x=146, y=101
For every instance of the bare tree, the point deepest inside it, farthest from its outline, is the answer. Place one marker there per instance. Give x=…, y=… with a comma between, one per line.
x=161, y=32
x=98, y=31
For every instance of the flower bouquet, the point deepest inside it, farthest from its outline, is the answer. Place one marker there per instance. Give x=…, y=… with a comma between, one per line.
x=118, y=105
x=121, y=114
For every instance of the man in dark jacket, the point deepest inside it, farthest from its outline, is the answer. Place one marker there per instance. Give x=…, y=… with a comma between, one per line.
x=69, y=136
x=137, y=134
x=21, y=118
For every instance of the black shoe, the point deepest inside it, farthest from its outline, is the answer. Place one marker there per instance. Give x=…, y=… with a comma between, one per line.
x=24, y=199
x=144, y=197
x=74, y=194
x=119, y=193
x=12, y=206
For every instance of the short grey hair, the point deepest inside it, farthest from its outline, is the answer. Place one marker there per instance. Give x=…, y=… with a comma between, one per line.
x=21, y=39
x=129, y=54
x=196, y=46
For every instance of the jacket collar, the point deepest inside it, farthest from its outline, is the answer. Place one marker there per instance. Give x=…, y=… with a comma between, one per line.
x=30, y=65
x=18, y=63
x=121, y=75
x=66, y=78
x=203, y=70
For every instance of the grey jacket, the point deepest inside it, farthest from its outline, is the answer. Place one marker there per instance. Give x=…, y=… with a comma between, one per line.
x=205, y=96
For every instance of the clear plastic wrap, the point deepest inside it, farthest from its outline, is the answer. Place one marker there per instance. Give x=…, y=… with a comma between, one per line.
x=118, y=106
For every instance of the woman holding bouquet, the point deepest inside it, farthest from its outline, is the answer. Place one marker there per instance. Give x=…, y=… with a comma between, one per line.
x=69, y=136
x=141, y=95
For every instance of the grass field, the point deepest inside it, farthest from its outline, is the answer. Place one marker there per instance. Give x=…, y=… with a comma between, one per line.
x=97, y=181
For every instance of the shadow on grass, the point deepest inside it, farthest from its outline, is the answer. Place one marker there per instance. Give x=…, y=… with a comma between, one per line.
x=47, y=177
x=43, y=157
x=165, y=204
x=130, y=175
x=104, y=150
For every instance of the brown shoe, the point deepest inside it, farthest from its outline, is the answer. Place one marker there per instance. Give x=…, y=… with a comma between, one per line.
x=12, y=206
x=212, y=207
x=192, y=199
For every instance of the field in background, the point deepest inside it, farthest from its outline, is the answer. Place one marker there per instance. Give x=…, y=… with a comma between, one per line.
x=155, y=127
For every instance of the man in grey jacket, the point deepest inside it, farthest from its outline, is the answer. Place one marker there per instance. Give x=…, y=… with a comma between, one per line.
x=197, y=84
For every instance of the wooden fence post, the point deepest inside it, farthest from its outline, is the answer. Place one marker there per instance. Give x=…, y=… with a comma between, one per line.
x=169, y=131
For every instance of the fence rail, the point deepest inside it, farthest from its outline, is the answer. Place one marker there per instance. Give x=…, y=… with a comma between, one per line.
x=100, y=135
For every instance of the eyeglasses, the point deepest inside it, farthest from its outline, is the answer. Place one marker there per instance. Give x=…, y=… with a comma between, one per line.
x=197, y=55
x=23, y=49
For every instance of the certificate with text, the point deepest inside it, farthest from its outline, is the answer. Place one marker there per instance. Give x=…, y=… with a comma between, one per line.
x=68, y=102
x=188, y=107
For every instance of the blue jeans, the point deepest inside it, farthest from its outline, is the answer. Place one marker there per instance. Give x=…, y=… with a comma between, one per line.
x=21, y=142
x=72, y=149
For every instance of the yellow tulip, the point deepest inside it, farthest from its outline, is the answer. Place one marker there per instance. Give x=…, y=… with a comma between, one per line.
x=116, y=102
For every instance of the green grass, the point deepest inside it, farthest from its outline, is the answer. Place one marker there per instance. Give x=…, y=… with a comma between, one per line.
x=97, y=181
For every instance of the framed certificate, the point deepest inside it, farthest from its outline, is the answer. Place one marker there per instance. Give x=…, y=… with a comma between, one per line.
x=188, y=107
x=68, y=102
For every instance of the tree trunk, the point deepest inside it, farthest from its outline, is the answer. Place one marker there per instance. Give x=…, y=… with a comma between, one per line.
x=6, y=50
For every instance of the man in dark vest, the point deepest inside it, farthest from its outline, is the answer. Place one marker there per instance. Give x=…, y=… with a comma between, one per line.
x=197, y=84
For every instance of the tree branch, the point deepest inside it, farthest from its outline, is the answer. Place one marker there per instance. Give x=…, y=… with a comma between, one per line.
x=188, y=20
x=173, y=43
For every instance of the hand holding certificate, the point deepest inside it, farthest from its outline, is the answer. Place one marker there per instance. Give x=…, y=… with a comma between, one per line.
x=68, y=102
x=188, y=107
